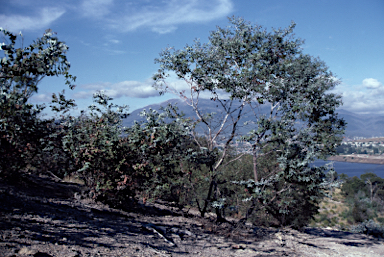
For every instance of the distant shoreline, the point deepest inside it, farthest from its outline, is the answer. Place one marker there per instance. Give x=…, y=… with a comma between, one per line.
x=358, y=158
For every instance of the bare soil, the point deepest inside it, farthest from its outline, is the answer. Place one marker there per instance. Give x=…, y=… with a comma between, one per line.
x=43, y=217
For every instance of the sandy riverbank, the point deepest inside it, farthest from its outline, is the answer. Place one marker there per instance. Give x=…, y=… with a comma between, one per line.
x=359, y=158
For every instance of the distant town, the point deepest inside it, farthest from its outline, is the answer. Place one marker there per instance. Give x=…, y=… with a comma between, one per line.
x=361, y=145
x=361, y=150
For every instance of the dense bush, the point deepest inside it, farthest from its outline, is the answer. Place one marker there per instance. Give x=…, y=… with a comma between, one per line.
x=160, y=144
x=119, y=163
x=24, y=137
x=94, y=142
x=278, y=204
x=352, y=186
x=369, y=228
x=363, y=196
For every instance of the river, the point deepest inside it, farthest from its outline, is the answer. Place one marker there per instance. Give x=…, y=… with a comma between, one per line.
x=354, y=169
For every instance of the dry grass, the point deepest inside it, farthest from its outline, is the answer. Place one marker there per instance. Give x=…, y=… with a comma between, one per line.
x=331, y=210
x=73, y=179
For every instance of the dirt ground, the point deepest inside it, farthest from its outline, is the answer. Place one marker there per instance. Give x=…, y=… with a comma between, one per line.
x=43, y=217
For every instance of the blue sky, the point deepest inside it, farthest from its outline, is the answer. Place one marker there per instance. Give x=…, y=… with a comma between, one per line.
x=113, y=43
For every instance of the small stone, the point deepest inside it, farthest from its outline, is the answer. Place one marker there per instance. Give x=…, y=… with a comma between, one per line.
x=239, y=246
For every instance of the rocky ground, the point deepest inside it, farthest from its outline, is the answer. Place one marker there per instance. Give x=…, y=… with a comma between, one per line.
x=43, y=217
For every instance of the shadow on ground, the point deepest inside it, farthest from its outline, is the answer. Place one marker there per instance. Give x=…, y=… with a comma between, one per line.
x=41, y=217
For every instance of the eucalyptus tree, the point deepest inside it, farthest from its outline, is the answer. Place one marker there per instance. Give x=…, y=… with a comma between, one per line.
x=374, y=184
x=22, y=133
x=246, y=69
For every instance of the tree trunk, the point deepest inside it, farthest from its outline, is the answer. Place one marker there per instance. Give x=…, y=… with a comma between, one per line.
x=254, y=155
x=209, y=196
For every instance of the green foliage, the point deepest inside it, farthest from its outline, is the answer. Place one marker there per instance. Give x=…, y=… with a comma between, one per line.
x=23, y=135
x=363, y=197
x=369, y=183
x=160, y=145
x=94, y=142
x=245, y=69
x=119, y=163
x=352, y=186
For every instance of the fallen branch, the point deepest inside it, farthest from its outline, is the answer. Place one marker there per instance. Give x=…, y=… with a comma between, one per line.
x=158, y=231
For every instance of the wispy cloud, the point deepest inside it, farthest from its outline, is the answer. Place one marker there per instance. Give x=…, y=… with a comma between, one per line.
x=161, y=17
x=111, y=42
x=42, y=20
x=41, y=98
x=368, y=97
x=96, y=8
x=158, y=16
x=114, y=41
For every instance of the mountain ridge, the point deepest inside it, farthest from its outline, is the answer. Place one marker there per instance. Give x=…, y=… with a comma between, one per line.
x=358, y=125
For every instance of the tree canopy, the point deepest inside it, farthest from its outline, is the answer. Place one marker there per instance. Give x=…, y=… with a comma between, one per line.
x=245, y=63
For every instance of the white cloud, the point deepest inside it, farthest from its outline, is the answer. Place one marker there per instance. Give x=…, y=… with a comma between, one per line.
x=42, y=20
x=161, y=17
x=137, y=89
x=360, y=100
x=120, y=89
x=372, y=83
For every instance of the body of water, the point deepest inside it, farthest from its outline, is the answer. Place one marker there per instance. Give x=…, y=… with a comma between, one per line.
x=354, y=169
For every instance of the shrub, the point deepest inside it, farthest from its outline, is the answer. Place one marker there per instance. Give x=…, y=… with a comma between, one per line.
x=369, y=228
x=119, y=163
x=380, y=219
x=94, y=141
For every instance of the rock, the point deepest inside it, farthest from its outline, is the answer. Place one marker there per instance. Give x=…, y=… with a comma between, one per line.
x=26, y=251
x=239, y=246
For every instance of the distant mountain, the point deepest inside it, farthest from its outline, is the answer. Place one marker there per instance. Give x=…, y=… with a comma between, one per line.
x=205, y=104
x=358, y=125
x=363, y=125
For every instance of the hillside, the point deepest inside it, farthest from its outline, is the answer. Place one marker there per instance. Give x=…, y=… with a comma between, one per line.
x=43, y=217
x=358, y=125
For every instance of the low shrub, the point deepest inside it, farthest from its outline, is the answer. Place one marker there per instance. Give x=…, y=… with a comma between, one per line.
x=369, y=228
